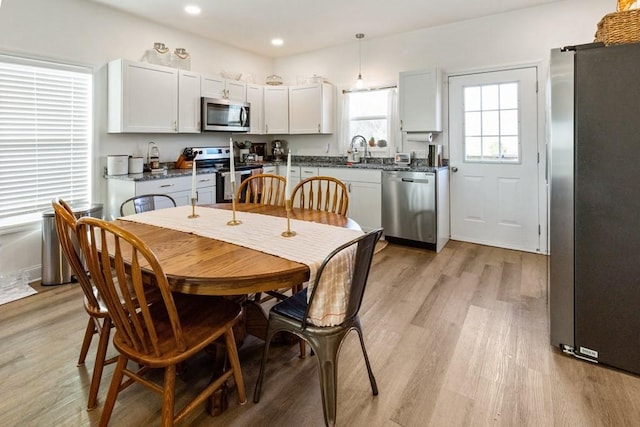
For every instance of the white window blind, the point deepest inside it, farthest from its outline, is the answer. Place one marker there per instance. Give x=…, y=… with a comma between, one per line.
x=45, y=137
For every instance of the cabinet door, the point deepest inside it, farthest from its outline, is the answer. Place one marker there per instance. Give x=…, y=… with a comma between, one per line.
x=206, y=189
x=142, y=97
x=365, y=204
x=276, y=109
x=305, y=109
x=420, y=102
x=212, y=87
x=236, y=90
x=188, y=102
x=255, y=97
x=311, y=109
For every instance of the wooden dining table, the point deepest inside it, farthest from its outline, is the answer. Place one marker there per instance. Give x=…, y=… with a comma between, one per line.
x=205, y=266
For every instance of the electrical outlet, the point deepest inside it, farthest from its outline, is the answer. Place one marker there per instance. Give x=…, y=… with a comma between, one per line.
x=420, y=154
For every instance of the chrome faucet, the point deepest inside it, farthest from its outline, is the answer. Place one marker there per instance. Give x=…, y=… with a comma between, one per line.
x=356, y=141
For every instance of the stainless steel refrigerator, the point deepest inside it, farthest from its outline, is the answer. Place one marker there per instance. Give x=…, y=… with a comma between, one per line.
x=594, y=263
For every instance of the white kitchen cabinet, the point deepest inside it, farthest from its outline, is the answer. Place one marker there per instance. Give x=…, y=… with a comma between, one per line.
x=188, y=102
x=311, y=109
x=272, y=169
x=255, y=97
x=220, y=88
x=141, y=97
x=276, y=109
x=420, y=100
x=179, y=188
x=364, y=187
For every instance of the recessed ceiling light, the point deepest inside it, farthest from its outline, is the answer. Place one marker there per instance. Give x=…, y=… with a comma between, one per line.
x=192, y=10
x=277, y=42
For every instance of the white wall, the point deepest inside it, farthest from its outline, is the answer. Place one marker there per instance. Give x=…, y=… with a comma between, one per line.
x=86, y=33
x=82, y=32
x=524, y=36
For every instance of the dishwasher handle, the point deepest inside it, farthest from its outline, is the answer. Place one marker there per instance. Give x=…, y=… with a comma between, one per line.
x=416, y=180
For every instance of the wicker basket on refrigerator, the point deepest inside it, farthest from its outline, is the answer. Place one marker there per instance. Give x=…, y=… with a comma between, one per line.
x=620, y=27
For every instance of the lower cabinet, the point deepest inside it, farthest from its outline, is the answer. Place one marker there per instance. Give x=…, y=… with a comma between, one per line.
x=365, y=194
x=179, y=188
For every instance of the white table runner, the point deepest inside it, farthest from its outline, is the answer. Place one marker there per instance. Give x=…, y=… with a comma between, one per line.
x=311, y=245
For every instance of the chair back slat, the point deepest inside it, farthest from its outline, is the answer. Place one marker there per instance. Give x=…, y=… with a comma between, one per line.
x=66, y=229
x=365, y=248
x=323, y=193
x=113, y=251
x=266, y=189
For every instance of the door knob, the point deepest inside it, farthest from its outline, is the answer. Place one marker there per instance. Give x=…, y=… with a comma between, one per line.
x=454, y=169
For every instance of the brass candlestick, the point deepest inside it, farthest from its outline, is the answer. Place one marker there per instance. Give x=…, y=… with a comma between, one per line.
x=288, y=233
x=193, y=208
x=233, y=221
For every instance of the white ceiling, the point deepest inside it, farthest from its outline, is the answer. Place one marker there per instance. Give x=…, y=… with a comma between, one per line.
x=307, y=25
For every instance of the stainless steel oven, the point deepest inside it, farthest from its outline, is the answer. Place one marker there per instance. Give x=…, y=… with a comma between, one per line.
x=224, y=189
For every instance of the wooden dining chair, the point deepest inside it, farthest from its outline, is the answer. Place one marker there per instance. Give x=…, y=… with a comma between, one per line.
x=322, y=193
x=264, y=188
x=292, y=315
x=99, y=321
x=146, y=202
x=159, y=335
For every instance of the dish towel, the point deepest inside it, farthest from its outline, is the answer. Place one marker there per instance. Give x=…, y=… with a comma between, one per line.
x=311, y=245
x=228, y=188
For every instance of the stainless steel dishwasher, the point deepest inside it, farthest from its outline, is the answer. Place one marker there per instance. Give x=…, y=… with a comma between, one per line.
x=409, y=206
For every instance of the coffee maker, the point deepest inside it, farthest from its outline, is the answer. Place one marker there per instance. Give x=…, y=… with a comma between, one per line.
x=277, y=150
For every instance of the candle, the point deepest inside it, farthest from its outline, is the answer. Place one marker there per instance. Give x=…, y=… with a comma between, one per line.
x=232, y=165
x=287, y=189
x=193, y=181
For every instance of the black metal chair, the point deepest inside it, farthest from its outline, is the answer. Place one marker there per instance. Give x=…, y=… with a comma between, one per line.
x=292, y=315
x=146, y=202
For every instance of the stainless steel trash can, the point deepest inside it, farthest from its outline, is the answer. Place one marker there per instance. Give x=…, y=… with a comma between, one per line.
x=55, y=267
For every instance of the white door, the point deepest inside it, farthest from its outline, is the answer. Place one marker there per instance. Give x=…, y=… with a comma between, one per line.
x=494, y=158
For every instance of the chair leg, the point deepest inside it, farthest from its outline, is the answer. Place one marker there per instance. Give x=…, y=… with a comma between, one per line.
x=327, y=354
x=98, y=366
x=263, y=364
x=114, y=388
x=372, y=379
x=168, y=395
x=234, y=359
x=86, y=342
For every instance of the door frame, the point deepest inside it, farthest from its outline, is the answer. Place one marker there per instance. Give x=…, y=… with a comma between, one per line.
x=543, y=99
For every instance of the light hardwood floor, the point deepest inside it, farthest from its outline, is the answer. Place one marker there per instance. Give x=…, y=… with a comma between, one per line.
x=455, y=339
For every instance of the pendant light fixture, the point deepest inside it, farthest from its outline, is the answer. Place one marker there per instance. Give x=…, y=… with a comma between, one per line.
x=359, y=82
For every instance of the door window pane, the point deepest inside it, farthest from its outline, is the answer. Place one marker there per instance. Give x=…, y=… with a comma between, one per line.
x=491, y=127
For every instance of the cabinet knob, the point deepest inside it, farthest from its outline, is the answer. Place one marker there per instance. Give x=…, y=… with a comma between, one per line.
x=454, y=169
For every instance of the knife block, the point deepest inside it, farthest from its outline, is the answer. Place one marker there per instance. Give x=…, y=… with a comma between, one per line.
x=183, y=163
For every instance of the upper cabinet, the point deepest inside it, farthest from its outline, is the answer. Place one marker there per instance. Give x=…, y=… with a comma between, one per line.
x=142, y=97
x=311, y=109
x=255, y=97
x=276, y=109
x=219, y=87
x=420, y=101
x=188, y=102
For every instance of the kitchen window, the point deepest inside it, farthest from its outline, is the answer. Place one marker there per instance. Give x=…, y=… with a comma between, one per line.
x=371, y=113
x=45, y=137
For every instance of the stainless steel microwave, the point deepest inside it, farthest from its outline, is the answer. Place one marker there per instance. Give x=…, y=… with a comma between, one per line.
x=225, y=115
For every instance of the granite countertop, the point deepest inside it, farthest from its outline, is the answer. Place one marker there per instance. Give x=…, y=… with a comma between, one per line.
x=170, y=172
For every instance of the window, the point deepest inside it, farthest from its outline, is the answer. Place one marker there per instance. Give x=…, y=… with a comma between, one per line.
x=45, y=137
x=370, y=114
x=491, y=123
